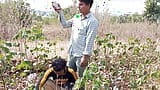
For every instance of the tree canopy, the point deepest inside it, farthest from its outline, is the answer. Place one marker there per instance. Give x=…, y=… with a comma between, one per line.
x=152, y=10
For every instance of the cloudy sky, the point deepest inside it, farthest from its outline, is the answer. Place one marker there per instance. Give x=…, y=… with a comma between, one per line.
x=127, y=6
x=115, y=6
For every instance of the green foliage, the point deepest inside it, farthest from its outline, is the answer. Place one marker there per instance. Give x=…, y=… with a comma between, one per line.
x=35, y=33
x=31, y=87
x=94, y=76
x=130, y=65
x=105, y=42
x=23, y=74
x=133, y=18
x=40, y=51
x=16, y=15
x=152, y=10
x=5, y=61
x=24, y=13
x=156, y=74
x=24, y=65
x=68, y=12
x=53, y=18
x=50, y=20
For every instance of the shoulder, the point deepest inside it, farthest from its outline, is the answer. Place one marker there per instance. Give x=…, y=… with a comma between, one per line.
x=70, y=70
x=50, y=70
x=93, y=19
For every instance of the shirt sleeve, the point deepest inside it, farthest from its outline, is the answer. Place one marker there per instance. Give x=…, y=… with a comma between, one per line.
x=45, y=78
x=91, y=34
x=65, y=24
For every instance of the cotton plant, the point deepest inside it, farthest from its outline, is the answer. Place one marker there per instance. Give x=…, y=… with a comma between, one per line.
x=31, y=79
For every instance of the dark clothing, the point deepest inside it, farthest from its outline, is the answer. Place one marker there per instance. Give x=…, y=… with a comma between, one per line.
x=66, y=80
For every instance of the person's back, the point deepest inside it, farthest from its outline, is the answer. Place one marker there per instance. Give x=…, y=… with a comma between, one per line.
x=58, y=76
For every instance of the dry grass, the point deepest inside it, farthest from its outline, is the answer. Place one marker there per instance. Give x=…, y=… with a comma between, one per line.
x=53, y=32
x=137, y=30
x=122, y=31
x=56, y=33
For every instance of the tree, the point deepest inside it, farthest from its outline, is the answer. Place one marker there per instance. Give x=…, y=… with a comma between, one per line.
x=152, y=10
x=14, y=16
x=24, y=13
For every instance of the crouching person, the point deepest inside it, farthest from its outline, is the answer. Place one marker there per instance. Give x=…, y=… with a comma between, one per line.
x=58, y=77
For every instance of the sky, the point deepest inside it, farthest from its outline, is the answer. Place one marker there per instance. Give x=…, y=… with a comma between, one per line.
x=125, y=6
x=115, y=6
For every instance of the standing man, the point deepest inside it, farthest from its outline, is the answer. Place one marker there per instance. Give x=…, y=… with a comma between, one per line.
x=84, y=30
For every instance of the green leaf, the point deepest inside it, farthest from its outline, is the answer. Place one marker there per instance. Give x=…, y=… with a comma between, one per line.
x=1, y=56
x=9, y=57
x=5, y=49
x=16, y=44
x=2, y=42
x=16, y=37
x=23, y=74
x=110, y=45
x=24, y=65
x=8, y=44
x=22, y=54
x=156, y=74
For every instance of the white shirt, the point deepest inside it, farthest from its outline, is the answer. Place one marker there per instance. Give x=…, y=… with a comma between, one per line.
x=84, y=31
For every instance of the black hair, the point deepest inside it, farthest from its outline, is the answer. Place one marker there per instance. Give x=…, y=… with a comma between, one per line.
x=88, y=2
x=59, y=64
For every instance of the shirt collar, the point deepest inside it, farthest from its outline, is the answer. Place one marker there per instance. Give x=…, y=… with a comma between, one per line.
x=87, y=16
